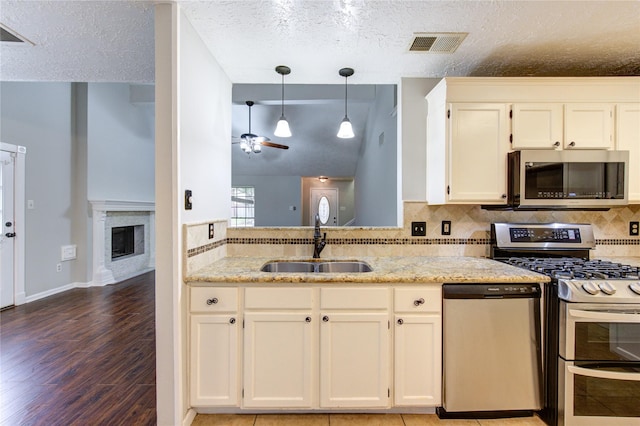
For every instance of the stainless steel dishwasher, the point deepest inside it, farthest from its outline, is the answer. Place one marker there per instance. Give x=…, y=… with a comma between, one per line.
x=491, y=350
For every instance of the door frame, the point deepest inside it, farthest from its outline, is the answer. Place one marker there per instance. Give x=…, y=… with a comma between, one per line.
x=20, y=152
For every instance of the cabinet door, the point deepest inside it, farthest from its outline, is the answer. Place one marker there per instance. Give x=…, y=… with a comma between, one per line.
x=417, y=360
x=214, y=360
x=479, y=142
x=536, y=126
x=354, y=360
x=588, y=126
x=278, y=351
x=628, y=139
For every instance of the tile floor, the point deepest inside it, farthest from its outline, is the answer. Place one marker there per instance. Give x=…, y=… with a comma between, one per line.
x=351, y=420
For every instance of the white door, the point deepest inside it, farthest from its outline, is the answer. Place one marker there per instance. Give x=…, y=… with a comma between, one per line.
x=7, y=240
x=324, y=202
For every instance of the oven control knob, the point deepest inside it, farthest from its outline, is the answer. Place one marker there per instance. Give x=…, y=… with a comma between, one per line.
x=590, y=288
x=635, y=287
x=607, y=288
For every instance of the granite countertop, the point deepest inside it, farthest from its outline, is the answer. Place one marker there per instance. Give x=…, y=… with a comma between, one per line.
x=385, y=270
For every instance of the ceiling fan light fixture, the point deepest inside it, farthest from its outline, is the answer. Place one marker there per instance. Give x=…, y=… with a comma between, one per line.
x=257, y=148
x=282, y=128
x=346, y=130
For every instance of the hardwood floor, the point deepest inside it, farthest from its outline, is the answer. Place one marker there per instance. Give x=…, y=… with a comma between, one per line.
x=82, y=357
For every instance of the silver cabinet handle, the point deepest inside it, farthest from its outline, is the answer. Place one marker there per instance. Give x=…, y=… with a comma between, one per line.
x=212, y=301
x=418, y=302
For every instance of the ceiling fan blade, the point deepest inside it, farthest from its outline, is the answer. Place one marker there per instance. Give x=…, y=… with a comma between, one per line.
x=274, y=145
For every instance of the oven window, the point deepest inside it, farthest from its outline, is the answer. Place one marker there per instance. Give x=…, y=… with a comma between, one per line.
x=601, y=341
x=606, y=397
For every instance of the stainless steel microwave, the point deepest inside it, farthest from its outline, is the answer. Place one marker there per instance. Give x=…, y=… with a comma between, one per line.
x=570, y=179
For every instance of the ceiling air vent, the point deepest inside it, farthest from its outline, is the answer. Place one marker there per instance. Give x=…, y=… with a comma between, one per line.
x=436, y=42
x=9, y=36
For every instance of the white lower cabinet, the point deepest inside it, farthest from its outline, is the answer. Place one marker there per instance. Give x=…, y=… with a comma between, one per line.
x=417, y=346
x=214, y=361
x=311, y=348
x=278, y=359
x=354, y=359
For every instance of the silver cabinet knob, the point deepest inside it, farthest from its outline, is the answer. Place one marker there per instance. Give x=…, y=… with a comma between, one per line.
x=232, y=321
x=325, y=318
x=400, y=321
x=572, y=144
x=308, y=319
x=556, y=144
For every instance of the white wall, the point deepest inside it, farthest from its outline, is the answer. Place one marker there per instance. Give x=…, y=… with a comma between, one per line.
x=274, y=195
x=193, y=130
x=413, y=133
x=120, y=145
x=376, y=173
x=39, y=117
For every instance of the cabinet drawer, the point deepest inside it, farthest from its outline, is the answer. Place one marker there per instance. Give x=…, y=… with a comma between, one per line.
x=282, y=298
x=214, y=299
x=354, y=298
x=418, y=299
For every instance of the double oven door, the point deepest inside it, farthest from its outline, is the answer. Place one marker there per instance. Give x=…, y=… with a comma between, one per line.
x=599, y=364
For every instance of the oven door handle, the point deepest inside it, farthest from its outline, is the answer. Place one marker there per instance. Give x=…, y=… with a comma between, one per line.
x=605, y=316
x=603, y=374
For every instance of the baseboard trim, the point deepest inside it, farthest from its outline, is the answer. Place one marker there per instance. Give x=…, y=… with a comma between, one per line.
x=71, y=286
x=189, y=417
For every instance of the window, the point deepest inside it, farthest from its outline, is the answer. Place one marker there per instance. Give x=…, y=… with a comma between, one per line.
x=242, y=206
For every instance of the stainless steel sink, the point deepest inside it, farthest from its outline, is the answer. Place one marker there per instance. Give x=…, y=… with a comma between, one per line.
x=335, y=266
x=288, y=267
x=344, y=266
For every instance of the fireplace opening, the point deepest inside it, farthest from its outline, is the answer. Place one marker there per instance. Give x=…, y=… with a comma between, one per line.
x=126, y=241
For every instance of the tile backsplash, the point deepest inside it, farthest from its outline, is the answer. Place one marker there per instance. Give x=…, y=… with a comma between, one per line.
x=469, y=235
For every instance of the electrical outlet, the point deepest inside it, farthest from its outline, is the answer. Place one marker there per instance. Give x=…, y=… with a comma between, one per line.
x=59, y=267
x=446, y=227
x=418, y=229
x=211, y=231
x=634, y=230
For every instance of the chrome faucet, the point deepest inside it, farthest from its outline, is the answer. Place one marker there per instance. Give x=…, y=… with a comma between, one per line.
x=319, y=241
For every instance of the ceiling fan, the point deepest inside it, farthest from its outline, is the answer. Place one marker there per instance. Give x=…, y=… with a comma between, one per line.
x=250, y=142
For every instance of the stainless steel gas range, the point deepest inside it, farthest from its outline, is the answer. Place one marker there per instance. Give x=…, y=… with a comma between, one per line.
x=591, y=323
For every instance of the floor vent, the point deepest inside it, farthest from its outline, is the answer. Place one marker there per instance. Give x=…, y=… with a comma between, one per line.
x=436, y=42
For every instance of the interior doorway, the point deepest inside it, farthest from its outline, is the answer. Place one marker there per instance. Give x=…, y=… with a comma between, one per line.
x=12, y=225
x=324, y=202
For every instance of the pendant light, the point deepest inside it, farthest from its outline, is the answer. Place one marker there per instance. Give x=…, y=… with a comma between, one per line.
x=345, y=131
x=282, y=128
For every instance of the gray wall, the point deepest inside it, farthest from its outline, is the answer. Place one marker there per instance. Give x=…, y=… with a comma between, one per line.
x=376, y=174
x=60, y=124
x=121, y=145
x=274, y=195
x=413, y=133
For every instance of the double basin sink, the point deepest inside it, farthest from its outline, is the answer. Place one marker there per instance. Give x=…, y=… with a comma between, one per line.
x=298, y=266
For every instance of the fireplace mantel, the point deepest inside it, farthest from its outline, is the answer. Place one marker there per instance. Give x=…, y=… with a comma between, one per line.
x=101, y=274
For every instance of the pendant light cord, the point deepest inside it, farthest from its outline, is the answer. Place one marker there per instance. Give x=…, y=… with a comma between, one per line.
x=345, y=96
x=282, y=95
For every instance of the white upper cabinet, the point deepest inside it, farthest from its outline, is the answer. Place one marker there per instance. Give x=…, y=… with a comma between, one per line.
x=536, y=126
x=562, y=126
x=588, y=126
x=628, y=139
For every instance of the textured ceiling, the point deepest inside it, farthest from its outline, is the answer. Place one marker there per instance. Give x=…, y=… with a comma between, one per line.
x=113, y=41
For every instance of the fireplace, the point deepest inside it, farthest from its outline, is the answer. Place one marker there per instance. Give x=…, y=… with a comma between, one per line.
x=115, y=224
x=127, y=241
